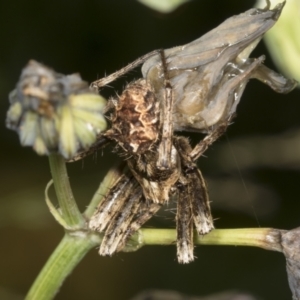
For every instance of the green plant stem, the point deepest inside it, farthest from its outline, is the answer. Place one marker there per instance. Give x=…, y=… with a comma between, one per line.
x=67, y=204
x=266, y=238
x=61, y=263
x=75, y=245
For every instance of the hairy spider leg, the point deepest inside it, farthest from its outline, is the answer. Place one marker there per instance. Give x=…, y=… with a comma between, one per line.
x=145, y=212
x=193, y=205
x=112, y=77
x=165, y=147
x=184, y=225
x=112, y=203
x=210, y=138
x=121, y=220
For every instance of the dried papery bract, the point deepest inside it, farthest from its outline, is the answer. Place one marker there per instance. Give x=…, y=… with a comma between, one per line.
x=209, y=75
x=53, y=112
x=197, y=87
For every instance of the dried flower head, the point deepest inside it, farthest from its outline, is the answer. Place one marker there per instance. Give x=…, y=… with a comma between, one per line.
x=53, y=112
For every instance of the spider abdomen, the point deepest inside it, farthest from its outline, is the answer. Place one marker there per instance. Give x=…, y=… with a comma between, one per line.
x=136, y=118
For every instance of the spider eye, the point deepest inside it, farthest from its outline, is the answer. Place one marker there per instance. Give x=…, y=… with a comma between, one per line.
x=53, y=112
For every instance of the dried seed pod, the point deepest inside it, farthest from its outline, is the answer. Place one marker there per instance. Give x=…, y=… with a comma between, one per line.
x=53, y=112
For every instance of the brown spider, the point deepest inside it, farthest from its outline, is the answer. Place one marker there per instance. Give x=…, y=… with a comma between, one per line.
x=162, y=165
x=195, y=87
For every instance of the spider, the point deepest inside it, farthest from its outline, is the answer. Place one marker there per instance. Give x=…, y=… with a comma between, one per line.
x=139, y=194
x=195, y=87
x=161, y=165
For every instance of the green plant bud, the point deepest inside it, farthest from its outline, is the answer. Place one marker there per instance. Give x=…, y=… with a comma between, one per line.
x=53, y=112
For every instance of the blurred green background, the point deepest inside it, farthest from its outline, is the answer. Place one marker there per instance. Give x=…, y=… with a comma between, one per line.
x=97, y=37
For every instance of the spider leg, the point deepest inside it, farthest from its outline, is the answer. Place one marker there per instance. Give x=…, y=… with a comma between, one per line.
x=112, y=203
x=196, y=188
x=106, y=80
x=118, y=225
x=121, y=213
x=145, y=212
x=101, y=142
x=198, y=195
x=166, y=105
x=210, y=138
x=200, y=202
x=184, y=225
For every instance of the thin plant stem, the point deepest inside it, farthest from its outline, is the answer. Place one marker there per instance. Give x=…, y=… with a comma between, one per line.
x=67, y=203
x=76, y=242
x=266, y=238
x=61, y=263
